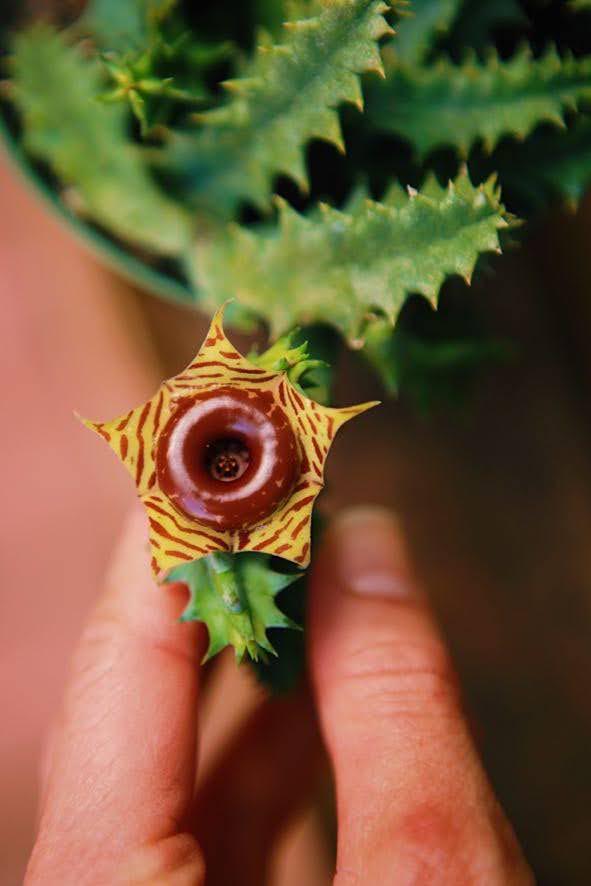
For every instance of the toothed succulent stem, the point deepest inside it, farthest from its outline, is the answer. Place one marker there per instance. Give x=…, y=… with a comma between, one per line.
x=221, y=572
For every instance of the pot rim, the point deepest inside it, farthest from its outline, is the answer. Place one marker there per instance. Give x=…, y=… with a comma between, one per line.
x=113, y=255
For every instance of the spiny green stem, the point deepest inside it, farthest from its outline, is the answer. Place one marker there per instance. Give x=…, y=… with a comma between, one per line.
x=222, y=574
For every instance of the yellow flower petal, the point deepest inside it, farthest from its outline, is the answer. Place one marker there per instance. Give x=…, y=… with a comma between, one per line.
x=176, y=538
x=218, y=364
x=132, y=437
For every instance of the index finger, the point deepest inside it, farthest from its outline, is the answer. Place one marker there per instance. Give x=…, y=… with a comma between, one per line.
x=414, y=804
x=121, y=774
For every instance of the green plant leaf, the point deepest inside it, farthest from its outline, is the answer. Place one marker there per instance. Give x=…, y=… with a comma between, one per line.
x=287, y=95
x=158, y=71
x=420, y=25
x=86, y=145
x=164, y=78
x=457, y=105
x=282, y=672
x=234, y=596
x=336, y=266
x=123, y=25
x=291, y=354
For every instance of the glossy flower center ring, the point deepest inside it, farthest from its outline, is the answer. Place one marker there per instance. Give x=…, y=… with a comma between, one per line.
x=227, y=456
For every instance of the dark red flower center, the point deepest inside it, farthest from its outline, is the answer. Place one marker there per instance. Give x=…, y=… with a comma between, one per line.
x=228, y=458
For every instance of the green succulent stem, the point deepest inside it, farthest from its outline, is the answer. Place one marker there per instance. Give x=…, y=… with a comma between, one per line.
x=335, y=266
x=221, y=573
x=287, y=95
x=457, y=105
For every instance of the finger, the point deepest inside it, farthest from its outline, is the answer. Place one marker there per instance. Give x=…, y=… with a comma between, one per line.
x=121, y=773
x=268, y=770
x=414, y=805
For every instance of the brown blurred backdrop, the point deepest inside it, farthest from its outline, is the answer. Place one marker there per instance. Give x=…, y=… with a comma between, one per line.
x=496, y=499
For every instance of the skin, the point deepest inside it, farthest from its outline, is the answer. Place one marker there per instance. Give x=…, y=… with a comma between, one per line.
x=123, y=801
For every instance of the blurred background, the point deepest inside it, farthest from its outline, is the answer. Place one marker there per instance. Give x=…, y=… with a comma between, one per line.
x=495, y=497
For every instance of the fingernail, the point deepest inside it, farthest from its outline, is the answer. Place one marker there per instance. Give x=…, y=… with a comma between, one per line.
x=370, y=554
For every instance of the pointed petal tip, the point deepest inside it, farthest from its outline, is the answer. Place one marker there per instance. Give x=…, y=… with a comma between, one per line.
x=87, y=422
x=216, y=326
x=362, y=407
x=218, y=316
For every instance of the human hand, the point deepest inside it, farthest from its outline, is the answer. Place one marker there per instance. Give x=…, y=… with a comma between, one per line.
x=119, y=802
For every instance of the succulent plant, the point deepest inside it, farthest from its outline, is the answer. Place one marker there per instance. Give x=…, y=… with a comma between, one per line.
x=363, y=152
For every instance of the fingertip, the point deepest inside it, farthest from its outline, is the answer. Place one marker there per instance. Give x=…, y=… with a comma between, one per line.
x=365, y=554
x=359, y=574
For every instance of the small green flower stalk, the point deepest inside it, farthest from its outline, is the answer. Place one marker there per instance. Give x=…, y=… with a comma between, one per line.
x=317, y=163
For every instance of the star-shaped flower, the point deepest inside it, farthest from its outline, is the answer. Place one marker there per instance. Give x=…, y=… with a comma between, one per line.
x=226, y=456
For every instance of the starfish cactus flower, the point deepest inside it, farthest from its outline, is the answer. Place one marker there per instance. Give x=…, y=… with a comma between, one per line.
x=226, y=456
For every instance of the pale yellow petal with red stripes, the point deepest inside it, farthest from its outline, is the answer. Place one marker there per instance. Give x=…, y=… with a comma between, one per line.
x=315, y=426
x=288, y=533
x=133, y=436
x=218, y=364
x=176, y=538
